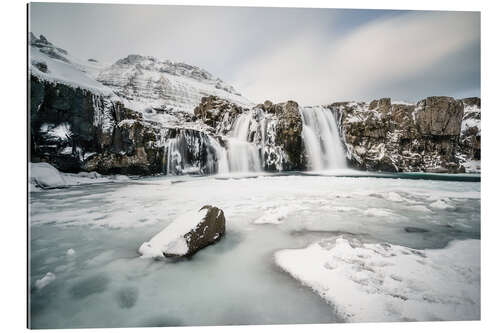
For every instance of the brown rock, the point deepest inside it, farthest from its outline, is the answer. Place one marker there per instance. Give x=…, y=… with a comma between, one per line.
x=208, y=231
x=439, y=116
x=289, y=132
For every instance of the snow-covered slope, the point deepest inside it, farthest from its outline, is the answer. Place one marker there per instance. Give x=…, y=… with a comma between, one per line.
x=54, y=64
x=147, y=83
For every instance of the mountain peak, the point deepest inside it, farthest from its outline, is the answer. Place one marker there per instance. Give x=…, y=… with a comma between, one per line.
x=148, y=82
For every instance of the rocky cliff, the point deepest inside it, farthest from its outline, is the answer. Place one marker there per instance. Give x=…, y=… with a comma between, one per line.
x=77, y=123
x=427, y=136
x=145, y=116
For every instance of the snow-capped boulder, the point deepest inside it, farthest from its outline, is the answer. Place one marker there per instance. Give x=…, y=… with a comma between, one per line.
x=45, y=175
x=187, y=234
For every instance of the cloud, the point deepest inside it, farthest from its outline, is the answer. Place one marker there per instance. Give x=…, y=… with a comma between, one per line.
x=313, y=56
x=320, y=67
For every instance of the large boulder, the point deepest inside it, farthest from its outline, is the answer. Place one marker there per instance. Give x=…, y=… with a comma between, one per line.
x=439, y=116
x=289, y=133
x=45, y=175
x=187, y=234
x=213, y=109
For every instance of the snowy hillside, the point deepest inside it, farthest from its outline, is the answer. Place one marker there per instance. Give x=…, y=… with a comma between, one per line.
x=156, y=86
x=145, y=84
x=51, y=63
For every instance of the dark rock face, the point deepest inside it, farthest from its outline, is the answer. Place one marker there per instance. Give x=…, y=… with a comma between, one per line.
x=208, y=231
x=381, y=136
x=61, y=120
x=212, y=110
x=439, y=116
x=77, y=130
x=289, y=134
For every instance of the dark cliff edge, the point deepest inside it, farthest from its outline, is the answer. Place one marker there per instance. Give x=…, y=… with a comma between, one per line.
x=432, y=135
x=78, y=130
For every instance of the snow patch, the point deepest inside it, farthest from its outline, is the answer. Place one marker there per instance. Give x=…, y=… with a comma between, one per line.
x=45, y=281
x=441, y=204
x=385, y=282
x=379, y=212
x=69, y=73
x=420, y=208
x=273, y=216
x=472, y=166
x=45, y=176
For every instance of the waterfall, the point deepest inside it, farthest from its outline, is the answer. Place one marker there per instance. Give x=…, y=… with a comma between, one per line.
x=193, y=152
x=250, y=145
x=173, y=163
x=243, y=156
x=321, y=139
x=220, y=155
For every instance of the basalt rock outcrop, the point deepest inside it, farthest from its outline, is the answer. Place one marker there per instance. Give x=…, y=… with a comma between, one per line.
x=289, y=133
x=426, y=136
x=75, y=129
x=274, y=129
x=215, y=112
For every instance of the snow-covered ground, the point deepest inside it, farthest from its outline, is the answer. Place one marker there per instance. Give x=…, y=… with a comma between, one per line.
x=385, y=282
x=45, y=176
x=383, y=239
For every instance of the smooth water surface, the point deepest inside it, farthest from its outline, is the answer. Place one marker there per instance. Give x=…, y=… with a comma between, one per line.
x=105, y=283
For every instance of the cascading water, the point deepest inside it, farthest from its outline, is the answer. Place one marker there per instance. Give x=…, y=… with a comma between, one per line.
x=243, y=156
x=250, y=145
x=221, y=156
x=322, y=139
x=173, y=157
x=194, y=152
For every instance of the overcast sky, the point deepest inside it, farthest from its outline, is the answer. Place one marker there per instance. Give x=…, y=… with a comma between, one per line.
x=313, y=56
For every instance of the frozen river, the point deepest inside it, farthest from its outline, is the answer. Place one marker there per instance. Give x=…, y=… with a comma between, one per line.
x=87, y=238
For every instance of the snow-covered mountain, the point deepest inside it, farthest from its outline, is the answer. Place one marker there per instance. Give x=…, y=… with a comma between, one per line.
x=51, y=63
x=148, y=84
x=142, y=115
x=144, y=84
